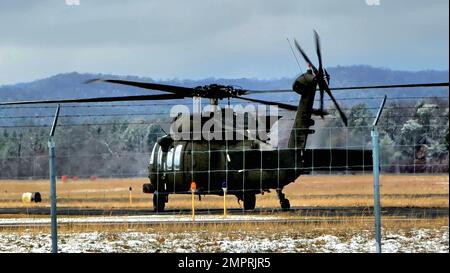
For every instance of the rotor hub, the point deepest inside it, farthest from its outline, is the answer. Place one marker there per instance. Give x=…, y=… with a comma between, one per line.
x=217, y=91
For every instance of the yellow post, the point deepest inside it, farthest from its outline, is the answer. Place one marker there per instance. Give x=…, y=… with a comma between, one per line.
x=224, y=202
x=131, y=197
x=193, y=188
x=224, y=188
x=193, y=205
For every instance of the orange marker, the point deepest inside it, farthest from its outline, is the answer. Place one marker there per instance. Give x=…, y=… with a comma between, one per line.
x=193, y=188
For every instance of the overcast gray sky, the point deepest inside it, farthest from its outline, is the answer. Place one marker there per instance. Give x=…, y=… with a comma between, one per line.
x=215, y=38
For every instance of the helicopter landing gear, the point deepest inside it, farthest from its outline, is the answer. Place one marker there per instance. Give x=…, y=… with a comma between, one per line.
x=249, y=200
x=159, y=201
x=284, y=202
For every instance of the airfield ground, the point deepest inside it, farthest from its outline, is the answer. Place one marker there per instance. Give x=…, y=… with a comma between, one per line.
x=345, y=190
x=312, y=234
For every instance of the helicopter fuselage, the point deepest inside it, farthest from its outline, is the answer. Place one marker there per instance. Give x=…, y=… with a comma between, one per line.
x=245, y=167
x=239, y=166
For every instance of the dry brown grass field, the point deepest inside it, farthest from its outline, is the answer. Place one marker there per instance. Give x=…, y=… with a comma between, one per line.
x=351, y=190
x=339, y=228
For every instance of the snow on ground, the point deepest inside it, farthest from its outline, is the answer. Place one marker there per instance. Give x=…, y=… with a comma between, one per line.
x=413, y=240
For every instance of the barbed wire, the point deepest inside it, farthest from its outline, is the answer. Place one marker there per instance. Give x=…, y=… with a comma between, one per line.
x=168, y=112
x=170, y=122
x=160, y=113
x=241, y=101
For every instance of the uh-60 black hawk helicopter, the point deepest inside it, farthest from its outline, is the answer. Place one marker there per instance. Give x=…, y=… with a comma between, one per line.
x=245, y=166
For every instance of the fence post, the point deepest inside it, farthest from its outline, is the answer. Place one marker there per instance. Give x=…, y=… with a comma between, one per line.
x=376, y=177
x=376, y=187
x=52, y=172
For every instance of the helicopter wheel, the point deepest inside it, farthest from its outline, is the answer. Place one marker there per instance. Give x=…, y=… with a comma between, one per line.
x=285, y=204
x=159, y=202
x=249, y=201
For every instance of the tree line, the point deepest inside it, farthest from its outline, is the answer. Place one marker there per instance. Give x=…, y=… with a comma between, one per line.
x=414, y=137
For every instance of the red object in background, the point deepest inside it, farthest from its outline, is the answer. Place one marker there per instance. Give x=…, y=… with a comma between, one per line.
x=74, y=178
x=93, y=178
x=64, y=178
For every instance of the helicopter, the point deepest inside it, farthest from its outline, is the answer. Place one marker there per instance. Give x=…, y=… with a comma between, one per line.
x=244, y=165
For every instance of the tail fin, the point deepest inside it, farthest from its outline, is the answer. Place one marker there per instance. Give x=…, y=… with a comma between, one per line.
x=305, y=85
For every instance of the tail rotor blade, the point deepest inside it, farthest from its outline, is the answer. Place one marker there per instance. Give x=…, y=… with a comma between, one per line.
x=308, y=61
x=327, y=76
x=341, y=113
x=321, y=99
x=318, y=50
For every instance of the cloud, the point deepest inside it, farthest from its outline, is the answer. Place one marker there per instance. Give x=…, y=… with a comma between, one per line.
x=223, y=38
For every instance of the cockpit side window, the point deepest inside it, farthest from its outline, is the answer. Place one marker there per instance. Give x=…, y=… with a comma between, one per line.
x=152, y=157
x=177, y=157
x=169, y=159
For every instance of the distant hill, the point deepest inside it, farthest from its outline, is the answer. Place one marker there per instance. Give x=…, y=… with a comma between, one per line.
x=71, y=85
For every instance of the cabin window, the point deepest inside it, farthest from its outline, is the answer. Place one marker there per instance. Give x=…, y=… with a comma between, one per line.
x=177, y=157
x=152, y=157
x=169, y=159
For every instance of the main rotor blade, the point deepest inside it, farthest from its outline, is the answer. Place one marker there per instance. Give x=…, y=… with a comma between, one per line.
x=101, y=99
x=268, y=91
x=179, y=90
x=393, y=86
x=279, y=104
x=412, y=85
x=319, y=53
x=308, y=61
x=341, y=113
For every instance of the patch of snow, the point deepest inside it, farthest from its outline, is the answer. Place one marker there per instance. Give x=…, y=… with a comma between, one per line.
x=415, y=240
